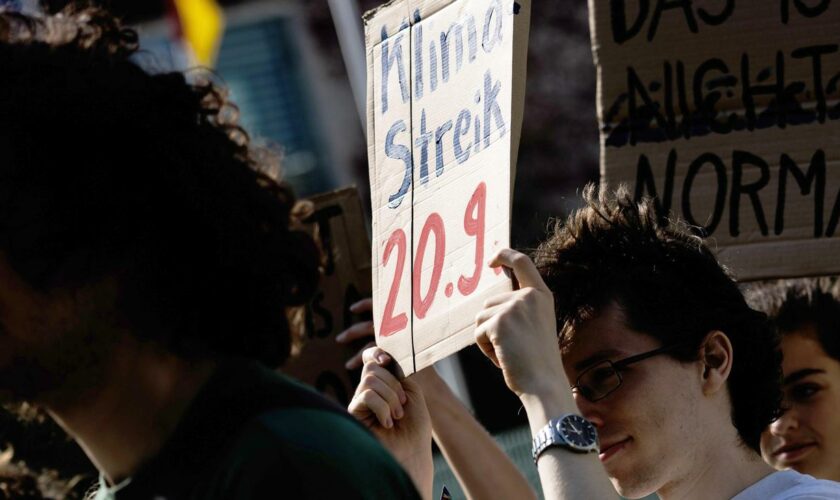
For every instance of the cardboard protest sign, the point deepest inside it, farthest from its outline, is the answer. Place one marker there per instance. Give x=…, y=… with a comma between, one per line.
x=729, y=114
x=338, y=225
x=445, y=94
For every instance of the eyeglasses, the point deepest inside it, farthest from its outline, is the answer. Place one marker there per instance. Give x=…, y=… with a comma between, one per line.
x=603, y=378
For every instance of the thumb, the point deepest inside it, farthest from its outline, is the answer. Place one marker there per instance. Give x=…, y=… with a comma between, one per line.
x=413, y=391
x=522, y=266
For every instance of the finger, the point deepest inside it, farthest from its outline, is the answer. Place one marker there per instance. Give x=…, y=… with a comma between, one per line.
x=412, y=386
x=376, y=355
x=356, y=360
x=524, y=269
x=388, y=378
x=488, y=313
x=357, y=331
x=486, y=345
x=386, y=392
x=500, y=298
x=364, y=305
x=415, y=388
x=369, y=402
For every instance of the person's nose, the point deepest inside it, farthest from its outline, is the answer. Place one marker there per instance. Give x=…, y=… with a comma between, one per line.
x=788, y=421
x=590, y=411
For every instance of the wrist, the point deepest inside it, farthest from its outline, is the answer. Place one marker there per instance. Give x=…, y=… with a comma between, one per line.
x=434, y=387
x=570, y=431
x=544, y=377
x=544, y=405
x=420, y=467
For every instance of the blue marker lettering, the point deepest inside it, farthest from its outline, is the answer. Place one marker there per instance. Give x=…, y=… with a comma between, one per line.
x=462, y=127
x=388, y=60
x=472, y=38
x=418, y=59
x=491, y=107
x=457, y=31
x=422, y=142
x=433, y=81
x=399, y=152
x=494, y=13
x=439, y=133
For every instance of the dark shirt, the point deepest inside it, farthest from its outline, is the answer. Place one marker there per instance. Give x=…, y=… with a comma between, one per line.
x=252, y=433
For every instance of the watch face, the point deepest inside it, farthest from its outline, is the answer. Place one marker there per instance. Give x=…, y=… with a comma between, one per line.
x=578, y=432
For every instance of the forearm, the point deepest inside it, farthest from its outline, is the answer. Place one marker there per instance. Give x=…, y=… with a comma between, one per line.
x=481, y=467
x=421, y=470
x=564, y=474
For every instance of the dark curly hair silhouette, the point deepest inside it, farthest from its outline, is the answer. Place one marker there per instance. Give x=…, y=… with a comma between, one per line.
x=110, y=171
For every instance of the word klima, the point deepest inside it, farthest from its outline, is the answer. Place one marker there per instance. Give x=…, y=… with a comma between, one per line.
x=393, y=52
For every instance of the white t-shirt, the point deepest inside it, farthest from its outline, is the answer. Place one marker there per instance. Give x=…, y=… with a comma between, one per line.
x=790, y=485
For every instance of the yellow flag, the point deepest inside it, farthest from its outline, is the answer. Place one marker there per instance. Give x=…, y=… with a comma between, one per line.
x=202, y=23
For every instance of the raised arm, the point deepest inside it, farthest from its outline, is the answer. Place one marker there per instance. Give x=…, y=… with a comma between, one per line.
x=470, y=451
x=517, y=331
x=482, y=468
x=395, y=411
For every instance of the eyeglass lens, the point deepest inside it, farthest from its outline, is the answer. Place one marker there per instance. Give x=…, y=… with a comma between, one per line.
x=598, y=381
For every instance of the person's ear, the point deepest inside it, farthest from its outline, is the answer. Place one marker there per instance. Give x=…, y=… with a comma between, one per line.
x=716, y=361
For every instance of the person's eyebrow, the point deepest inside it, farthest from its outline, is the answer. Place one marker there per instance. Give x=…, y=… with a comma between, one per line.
x=596, y=357
x=799, y=375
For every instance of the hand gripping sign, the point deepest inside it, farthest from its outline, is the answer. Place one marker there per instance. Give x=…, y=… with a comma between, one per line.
x=445, y=93
x=728, y=113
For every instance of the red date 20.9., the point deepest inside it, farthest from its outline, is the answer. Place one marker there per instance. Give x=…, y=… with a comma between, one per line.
x=474, y=217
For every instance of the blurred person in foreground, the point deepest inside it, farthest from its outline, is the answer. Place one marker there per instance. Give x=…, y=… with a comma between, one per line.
x=146, y=264
x=663, y=372
x=806, y=437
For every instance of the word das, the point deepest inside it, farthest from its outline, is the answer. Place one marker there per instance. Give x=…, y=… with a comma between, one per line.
x=730, y=186
x=427, y=72
x=393, y=322
x=673, y=107
x=458, y=129
x=624, y=29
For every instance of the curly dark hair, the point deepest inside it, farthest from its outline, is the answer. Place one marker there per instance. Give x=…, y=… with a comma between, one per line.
x=670, y=286
x=113, y=171
x=794, y=304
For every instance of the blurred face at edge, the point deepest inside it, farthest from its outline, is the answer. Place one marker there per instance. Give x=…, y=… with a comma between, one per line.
x=53, y=342
x=806, y=437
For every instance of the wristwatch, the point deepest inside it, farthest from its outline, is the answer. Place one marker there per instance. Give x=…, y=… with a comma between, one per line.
x=570, y=431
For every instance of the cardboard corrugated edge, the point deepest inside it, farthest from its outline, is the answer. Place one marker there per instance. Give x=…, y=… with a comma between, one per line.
x=521, y=35
x=373, y=34
x=397, y=12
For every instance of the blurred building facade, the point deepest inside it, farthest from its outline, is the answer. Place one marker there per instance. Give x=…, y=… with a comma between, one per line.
x=290, y=96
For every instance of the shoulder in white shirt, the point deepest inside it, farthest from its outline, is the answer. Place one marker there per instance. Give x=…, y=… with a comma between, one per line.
x=790, y=485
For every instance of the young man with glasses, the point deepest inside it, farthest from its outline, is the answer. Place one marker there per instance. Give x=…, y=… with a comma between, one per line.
x=660, y=356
